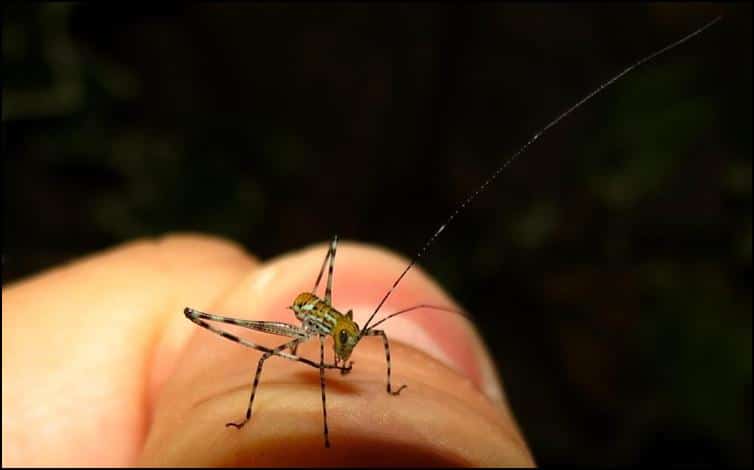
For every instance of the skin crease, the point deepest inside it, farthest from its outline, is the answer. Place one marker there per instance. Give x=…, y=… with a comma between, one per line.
x=100, y=367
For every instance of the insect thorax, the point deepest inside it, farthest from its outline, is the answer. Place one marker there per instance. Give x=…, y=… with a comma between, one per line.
x=315, y=314
x=319, y=317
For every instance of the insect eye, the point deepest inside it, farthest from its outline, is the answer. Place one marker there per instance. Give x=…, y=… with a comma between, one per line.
x=343, y=336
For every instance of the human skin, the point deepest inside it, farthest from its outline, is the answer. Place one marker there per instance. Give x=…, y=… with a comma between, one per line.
x=100, y=366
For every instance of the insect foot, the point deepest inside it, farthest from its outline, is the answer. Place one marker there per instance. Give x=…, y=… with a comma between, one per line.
x=236, y=425
x=397, y=392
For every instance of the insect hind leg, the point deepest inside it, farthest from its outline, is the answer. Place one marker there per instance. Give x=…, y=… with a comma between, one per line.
x=331, y=257
x=328, y=291
x=282, y=329
x=322, y=268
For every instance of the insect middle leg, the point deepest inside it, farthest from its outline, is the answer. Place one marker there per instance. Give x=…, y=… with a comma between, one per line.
x=322, y=386
x=292, y=346
x=387, y=358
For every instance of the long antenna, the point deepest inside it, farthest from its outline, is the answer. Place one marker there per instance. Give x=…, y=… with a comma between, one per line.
x=523, y=148
x=417, y=307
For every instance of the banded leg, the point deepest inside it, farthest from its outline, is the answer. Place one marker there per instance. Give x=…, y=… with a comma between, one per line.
x=387, y=358
x=328, y=291
x=278, y=328
x=322, y=386
x=330, y=255
x=291, y=345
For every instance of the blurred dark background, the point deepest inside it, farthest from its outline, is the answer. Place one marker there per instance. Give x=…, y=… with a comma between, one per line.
x=621, y=240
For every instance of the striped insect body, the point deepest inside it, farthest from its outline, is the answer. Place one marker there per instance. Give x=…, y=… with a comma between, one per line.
x=317, y=316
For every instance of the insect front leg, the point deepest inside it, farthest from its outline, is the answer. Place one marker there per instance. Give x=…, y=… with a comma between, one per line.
x=292, y=346
x=387, y=358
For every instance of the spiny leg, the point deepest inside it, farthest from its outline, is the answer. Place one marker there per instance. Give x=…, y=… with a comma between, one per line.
x=322, y=385
x=290, y=330
x=328, y=291
x=291, y=345
x=330, y=252
x=271, y=327
x=387, y=358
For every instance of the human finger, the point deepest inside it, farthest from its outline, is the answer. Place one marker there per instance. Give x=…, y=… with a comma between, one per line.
x=87, y=345
x=453, y=411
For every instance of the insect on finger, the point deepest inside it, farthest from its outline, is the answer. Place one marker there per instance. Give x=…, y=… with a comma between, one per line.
x=319, y=318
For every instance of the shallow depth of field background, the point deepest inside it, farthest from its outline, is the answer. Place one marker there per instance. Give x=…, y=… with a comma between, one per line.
x=608, y=268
